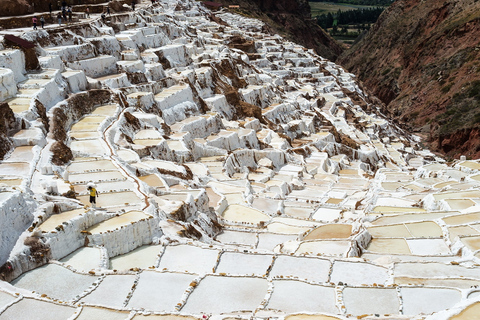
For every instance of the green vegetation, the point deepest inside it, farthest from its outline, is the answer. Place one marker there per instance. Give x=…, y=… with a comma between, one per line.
x=463, y=111
x=349, y=23
x=346, y=20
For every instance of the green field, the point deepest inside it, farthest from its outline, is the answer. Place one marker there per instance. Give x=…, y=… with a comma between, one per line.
x=319, y=8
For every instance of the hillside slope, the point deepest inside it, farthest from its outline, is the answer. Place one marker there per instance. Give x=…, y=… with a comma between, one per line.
x=291, y=19
x=422, y=59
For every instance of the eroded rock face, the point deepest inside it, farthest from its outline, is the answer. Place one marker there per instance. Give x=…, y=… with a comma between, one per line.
x=7, y=123
x=14, y=7
x=420, y=60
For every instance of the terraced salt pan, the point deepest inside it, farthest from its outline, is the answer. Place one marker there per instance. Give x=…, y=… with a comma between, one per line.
x=6, y=299
x=89, y=313
x=271, y=241
x=117, y=222
x=153, y=180
x=427, y=300
x=311, y=269
x=152, y=286
x=226, y=294
x=244, y=264
x=390, y=246
x=469, y=313
x=462, y=219
x=84, y=259
x=237, y=237
x=360, y=301
x=55, y=281
x=295, y=296
x=85, y=166
x=185, y=258
x=95, y=177
x=113, y=199
x=21, y=154
x=358, y=274
x=330, y=231
x=324, y=247
x=277, y=227
x=111, y=292
x=451, y=283
x=38, y=310
x=395, y=210
x=142, y=257
x=11, y=182
x=163, y=317
x=14, y=168
x=239, y=213
x=473, y=243
x=90, y=147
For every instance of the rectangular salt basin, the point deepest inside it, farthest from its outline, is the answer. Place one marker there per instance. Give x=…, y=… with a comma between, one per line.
x=113, y=199
x=117, y=222
x=57, y=219
x=90, y=147
x=90, y=313
x=295, y=296
x=83, y=259
x=359, y=301
x=112, y=291
x=39, y=310
x=324, y=247
x=84, y=166
x=312, y=269
x=14, y=168
x=106, y=110
x=150, y=293
x=244, y=264
x=142, y=257
x=95, y=176
x=457, y=195
x=152, y=180
x=389, y=246
x=55, y=281
x=21, y=154
x=394, y=210
x=226, y=294
x=185, y=258
x=109, y=186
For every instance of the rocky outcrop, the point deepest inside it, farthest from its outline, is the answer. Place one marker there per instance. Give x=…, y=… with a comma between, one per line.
x=7, y=123
x=292, y=20
x=421, y=60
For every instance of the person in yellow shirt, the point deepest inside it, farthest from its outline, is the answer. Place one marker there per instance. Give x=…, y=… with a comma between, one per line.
x=93, y=194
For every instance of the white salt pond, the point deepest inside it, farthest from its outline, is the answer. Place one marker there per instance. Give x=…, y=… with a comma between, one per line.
x=239, y=213
x=111, y=292
x=142, y=257
x=56, y=220
x=219, y=294
x=184, y=258
x=150, y=291
x=118, y=221
x=83, y=259
x=55, y=281
x=38, y=310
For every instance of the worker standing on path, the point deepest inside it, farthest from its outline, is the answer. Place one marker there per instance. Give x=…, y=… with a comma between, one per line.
x=42, y=22
x=59, y=18
x=93, y=194
x=34, y=20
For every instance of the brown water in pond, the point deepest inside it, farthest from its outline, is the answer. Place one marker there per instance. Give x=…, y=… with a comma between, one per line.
x=330, y=231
